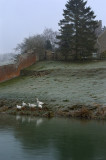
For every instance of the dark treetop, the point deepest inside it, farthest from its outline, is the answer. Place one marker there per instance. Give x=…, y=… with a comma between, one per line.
x=77, y=31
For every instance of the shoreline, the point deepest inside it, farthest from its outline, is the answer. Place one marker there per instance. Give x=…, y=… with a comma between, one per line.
x=79, y=111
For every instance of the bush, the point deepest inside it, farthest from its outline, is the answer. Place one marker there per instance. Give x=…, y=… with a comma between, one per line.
x=83, y=113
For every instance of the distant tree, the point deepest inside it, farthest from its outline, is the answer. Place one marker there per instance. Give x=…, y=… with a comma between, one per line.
x=34, y=43
x=48, y=45
x=38, y=43
x=77, y=36
x=31, y=43
x=50, y=37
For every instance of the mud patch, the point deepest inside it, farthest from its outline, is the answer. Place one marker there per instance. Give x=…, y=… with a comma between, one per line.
x=35, y=73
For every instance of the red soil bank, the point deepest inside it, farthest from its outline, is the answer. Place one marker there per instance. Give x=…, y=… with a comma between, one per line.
x=13, y=70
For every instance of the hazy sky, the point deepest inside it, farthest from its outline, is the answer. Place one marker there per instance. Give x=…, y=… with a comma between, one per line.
x=23, y=18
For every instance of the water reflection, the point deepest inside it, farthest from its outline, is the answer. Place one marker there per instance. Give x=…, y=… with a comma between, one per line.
x=38, y=121
x=55, y=139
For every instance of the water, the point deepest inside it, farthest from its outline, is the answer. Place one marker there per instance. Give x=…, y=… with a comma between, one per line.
x=26, y=138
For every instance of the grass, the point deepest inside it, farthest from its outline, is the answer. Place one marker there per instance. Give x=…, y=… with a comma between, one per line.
x=66, y=85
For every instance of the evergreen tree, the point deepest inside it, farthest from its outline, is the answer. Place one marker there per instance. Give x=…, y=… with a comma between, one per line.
x=77, y=30
x=48, y=45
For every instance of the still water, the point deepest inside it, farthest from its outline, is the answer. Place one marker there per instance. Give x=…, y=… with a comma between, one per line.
x=26, y=138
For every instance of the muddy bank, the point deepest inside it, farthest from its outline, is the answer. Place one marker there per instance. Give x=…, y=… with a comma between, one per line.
x=96, y=111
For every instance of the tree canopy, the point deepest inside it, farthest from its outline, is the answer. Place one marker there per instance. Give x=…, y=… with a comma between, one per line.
x=38, y=43
x=77, y=36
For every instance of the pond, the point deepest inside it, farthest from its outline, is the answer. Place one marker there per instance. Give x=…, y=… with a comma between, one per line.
x=30, y=138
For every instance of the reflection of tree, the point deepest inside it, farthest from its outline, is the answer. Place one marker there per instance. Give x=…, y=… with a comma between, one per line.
x=75, y=145
x=71, y=139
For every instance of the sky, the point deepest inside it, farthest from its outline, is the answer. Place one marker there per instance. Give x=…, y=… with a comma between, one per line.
x=24, y=18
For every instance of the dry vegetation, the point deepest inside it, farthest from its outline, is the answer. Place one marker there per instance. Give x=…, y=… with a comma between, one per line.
x=96, y=111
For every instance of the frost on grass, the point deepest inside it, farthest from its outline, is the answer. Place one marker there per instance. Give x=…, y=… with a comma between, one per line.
x=66, y=85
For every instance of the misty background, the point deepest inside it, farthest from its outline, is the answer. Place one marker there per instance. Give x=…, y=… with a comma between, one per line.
x=24, y=18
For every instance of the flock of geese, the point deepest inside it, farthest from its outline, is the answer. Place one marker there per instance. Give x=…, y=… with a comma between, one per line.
x=38, y=104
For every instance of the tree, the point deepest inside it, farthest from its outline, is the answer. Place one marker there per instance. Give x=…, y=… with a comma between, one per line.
x=34, y=43
x=50, y=37
x=77, y=36
x=31, y=43
x=48, y=45
x=38, y=43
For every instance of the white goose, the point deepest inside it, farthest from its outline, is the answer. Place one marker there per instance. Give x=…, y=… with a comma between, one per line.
x=32, y=105
x=39, y=104
x=24, y=104
x=19, y=107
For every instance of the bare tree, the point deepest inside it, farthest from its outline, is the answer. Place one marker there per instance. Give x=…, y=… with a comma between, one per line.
x=50, y=35
x=34, y=43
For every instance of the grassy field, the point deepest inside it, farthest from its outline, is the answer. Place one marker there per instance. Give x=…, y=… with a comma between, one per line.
x=65, y=84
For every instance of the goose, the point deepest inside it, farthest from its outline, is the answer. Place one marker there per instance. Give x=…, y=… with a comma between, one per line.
x=24, y=104
x=32, y=105
x=40, y=106
x=39, y=103
x=19, y=107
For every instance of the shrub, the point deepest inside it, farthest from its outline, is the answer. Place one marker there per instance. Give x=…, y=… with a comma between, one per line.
x=83, y=113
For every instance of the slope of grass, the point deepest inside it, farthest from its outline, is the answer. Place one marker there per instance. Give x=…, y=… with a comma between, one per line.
x=66, y=85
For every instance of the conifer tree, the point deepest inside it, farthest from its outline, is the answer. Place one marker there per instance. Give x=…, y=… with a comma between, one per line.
x=77, y=36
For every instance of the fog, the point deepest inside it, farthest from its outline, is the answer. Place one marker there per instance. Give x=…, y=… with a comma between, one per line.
x=7, y=58
x=21, y=18
x=24, y=18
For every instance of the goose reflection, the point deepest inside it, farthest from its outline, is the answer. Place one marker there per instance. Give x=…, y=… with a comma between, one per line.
x=22, y=119
x=39, y=121
x=18, y=117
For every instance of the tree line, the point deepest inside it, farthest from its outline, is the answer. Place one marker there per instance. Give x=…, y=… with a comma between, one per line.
x=76, y=38
x=38, y=43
